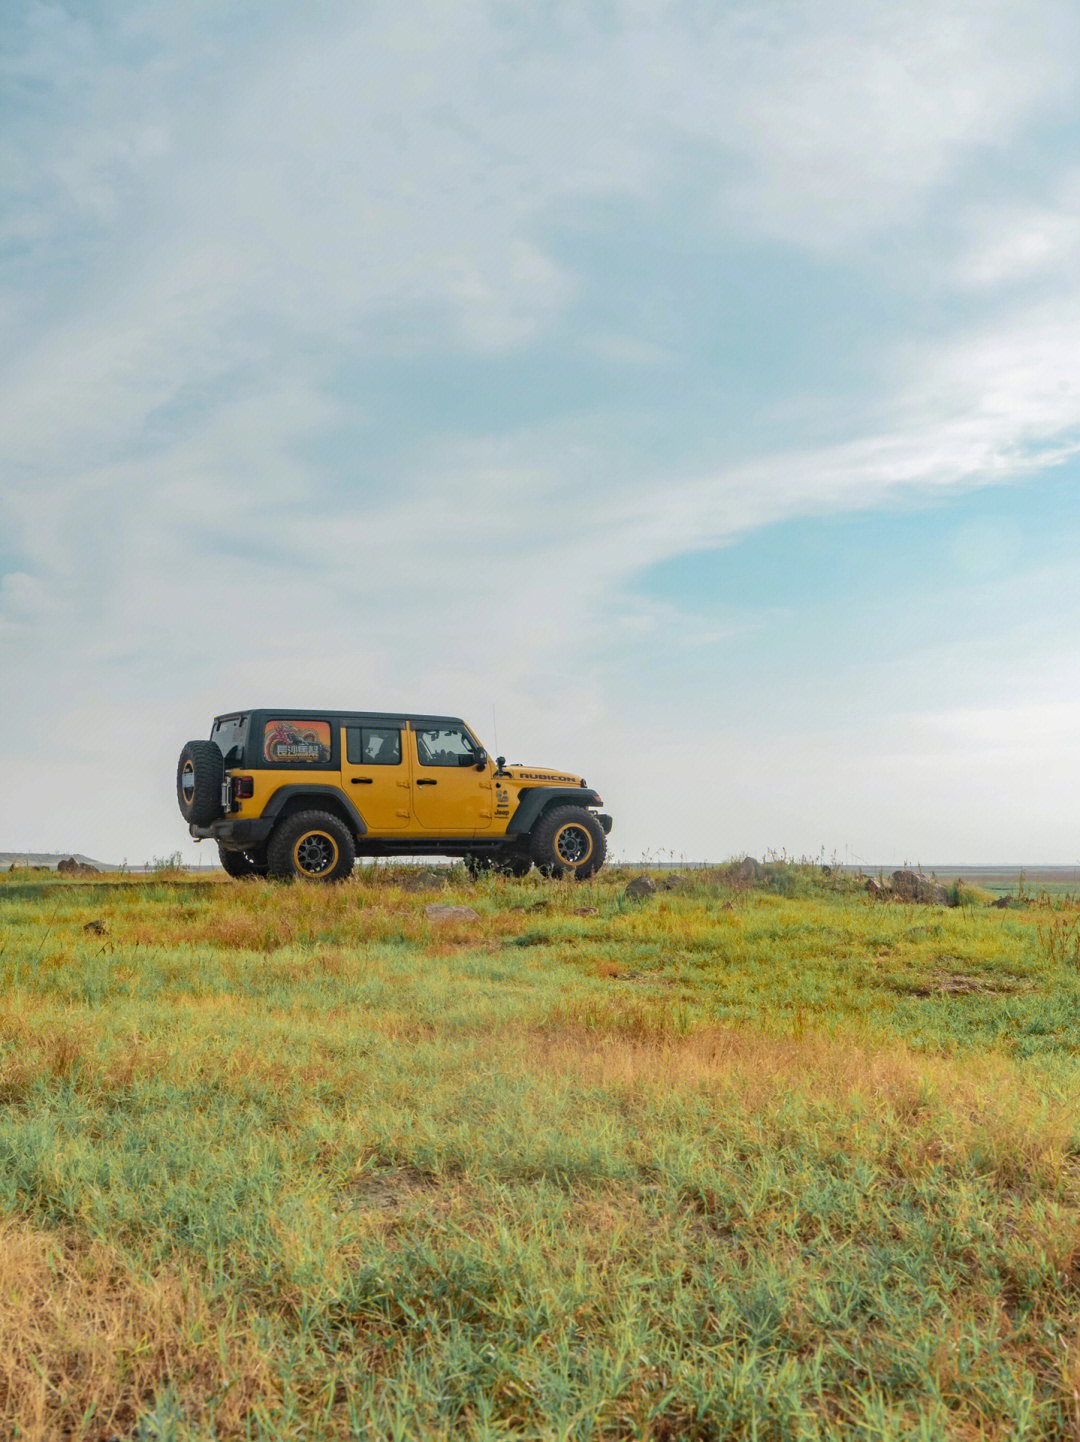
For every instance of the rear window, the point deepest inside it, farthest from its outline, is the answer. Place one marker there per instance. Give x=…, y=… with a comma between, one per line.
x=230, y=733
x=296, y=743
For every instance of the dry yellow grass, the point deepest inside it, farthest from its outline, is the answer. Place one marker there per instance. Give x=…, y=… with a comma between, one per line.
x=85, y=1345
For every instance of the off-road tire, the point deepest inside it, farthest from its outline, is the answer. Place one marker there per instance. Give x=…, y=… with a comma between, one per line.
x=199, y=774
x=310, y=846
x=240, y=863
x=257, y=857
x=568, y=841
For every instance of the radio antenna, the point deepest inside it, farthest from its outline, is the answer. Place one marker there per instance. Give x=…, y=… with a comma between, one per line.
x=494, y=729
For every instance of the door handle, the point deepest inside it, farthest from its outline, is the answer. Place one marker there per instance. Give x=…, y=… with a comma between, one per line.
x=426, y=781
x=361, y=780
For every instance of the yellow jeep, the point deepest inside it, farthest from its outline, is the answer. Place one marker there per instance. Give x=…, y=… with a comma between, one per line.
x=303, y=793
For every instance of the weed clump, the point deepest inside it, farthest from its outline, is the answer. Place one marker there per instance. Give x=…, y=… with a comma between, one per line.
x=963, y=893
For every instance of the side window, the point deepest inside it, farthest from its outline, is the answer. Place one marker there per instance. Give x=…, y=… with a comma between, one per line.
x=444, y=746
x=296, y=743
x=373, y=745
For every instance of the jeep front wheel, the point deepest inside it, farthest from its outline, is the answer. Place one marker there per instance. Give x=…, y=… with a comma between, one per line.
x=568, y=840
x=199, y=775
x=311, y=846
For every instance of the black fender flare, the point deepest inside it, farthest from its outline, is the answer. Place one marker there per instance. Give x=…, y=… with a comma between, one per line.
x=324, y=798
x=535, y=802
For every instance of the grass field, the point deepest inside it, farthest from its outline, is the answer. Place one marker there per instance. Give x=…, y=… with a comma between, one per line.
x=757, y=1162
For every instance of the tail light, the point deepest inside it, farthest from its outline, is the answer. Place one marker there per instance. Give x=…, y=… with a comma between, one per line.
x=243, y=788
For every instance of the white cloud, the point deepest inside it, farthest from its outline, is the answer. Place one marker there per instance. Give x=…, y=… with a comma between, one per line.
x=24, y=599
x=1012, y=244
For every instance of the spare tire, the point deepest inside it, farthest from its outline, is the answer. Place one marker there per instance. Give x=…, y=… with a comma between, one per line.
x=199, y=775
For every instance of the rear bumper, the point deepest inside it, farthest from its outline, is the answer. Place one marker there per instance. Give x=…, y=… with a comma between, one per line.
x=235, y=834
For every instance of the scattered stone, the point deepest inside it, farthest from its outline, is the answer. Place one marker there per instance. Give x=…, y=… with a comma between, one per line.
x=1003, y=902
x=96, y=927
x=586, y=911
x=913, y=886
x=70, y=867
x=640, y=886
x=674, y=881
x=438, y=912
x=427, y=879
x=876, y=889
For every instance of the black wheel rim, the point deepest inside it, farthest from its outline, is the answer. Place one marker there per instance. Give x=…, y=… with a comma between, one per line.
x=187, y=783
x=316, y=853
x=573, y=845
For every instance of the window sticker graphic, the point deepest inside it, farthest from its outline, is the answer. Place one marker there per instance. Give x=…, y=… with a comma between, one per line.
x=292, y=743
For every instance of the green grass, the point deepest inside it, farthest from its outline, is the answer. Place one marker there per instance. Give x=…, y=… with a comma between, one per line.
x=292, y=1162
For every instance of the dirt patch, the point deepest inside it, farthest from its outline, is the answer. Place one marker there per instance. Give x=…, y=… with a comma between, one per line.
x=962, y=983
x=388, y=1190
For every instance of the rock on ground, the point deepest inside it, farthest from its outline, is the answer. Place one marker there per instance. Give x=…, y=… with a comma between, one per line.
x=913, y=886
x=439, y=912
x=747, y=871
x=640, y=886
x=70, y=867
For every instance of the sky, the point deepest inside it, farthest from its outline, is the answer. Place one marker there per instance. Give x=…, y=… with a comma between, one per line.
x=685, y=394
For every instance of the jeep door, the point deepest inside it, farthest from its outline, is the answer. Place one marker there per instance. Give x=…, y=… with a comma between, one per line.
x=450, y=796
x=375, y=776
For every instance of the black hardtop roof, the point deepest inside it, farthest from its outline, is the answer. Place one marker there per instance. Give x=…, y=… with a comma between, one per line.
x=344, y=718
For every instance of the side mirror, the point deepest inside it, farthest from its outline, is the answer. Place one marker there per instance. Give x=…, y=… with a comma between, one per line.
x=481, y=759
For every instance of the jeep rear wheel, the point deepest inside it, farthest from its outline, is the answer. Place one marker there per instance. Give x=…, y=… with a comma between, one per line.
x=199, y=775
x=568, y=840
x=311, y=846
